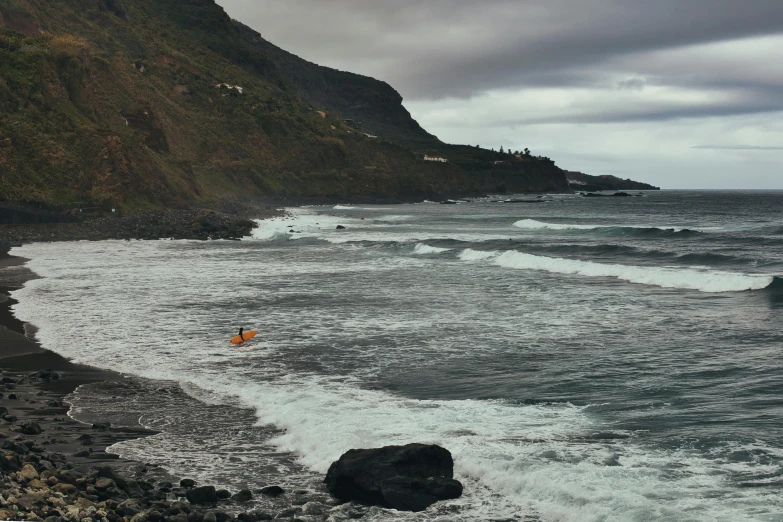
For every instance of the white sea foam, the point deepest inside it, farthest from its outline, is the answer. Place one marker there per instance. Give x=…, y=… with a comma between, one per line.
x=298, y=224
x=346, y=207
x=513, y=458
x=532, y=224
x=477, y=255
x=424, y=249
x=666, y=277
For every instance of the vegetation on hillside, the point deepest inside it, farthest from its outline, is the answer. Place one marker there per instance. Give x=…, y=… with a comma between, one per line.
x=150, y=103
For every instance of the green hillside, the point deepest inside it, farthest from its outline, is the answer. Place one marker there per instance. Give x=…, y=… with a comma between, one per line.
x=166, y=103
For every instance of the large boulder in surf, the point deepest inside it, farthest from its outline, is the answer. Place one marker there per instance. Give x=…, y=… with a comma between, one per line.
x=406, y=478
x=202, y=495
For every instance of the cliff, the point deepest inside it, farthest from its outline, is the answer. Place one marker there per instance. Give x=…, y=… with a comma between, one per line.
x=169, y=103
x=580, y=181
x=374, y=106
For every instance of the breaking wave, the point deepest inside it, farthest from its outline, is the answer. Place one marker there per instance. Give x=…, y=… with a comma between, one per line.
x=423, y=249
x=710, y=281
x=532, y=224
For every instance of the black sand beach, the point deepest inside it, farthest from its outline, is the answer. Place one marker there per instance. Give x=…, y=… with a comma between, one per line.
x=55, y=468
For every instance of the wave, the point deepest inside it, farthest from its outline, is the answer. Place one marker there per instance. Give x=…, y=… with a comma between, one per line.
x=299, y=224
x=346, y=207
x=710, y=281
x=477, y=255
x=532, y=224
x=423, y=249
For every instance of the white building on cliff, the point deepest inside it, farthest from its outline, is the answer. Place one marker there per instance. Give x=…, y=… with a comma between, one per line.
x=435, y=158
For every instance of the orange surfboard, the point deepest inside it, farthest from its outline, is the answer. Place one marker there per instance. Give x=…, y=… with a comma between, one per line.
x=247, y=336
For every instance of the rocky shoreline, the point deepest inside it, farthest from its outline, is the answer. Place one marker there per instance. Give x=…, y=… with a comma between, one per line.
x=230, y=221
x=55, y=468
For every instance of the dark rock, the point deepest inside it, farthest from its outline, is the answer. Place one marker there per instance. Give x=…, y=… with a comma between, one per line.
x=187, y=483
x=181, y=517
x=260, y=515
x=101, y=426
x=209, y=517
x=158, y=495
x=13, y=397
x=133, y=489
x=290, y=512
x=110, y=473
x=102, y=484
x=54, y=403
x=3, y=411
x=70, y=476
x=195, y=516
x=155, y=516
x=10, y=462
x=14, y=446
x=165, y=486
x=129, y=508
x=406, y=478
x=83, y=453
x=622, y=194
x=223, y=494
x=272, y=491
x=246, y=517
x=46, y=375
x=202, y=495
x=65, y=488
x=221, y=516
x=178, y=507
x=340, y=227
x=243, y=496
x=10, y=418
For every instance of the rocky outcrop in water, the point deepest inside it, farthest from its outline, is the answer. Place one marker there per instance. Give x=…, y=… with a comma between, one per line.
x=407, y=478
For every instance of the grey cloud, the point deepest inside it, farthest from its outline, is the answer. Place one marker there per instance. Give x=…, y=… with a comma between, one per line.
x=632, y=84
x=435, y=49
x=737, y=147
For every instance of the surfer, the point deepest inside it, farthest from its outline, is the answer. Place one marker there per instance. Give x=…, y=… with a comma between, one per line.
x=241, y=334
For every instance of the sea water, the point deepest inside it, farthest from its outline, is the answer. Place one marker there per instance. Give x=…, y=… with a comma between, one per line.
x=583, y=359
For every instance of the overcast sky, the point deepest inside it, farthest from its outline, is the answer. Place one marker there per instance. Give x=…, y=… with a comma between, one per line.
x=678, y=93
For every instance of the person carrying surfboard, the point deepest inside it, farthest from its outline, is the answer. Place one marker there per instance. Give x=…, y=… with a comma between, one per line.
x=243, y=336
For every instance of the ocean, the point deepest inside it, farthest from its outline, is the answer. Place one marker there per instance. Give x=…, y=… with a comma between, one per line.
x=584, y=359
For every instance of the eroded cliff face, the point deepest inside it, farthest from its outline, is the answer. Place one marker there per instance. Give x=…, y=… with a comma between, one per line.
x=359, y=98
x=168, y=103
